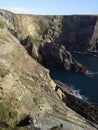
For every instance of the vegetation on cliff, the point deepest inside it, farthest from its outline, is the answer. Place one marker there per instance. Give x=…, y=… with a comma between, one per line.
x=1, y=24
x=29, y=98
x=26, y=90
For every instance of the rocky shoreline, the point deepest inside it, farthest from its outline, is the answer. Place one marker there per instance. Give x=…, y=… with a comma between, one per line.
x=29, y=98
x=84, y=108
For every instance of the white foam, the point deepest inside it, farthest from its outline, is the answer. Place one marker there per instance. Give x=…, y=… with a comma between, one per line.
x=91, y=74
x=76, y=93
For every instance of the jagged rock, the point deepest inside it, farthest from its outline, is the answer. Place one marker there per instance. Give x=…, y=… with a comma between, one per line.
x=28, y=90
x=89, y=111
x=60, y=94
x=57, y=56
x=26, y=87
x=34, y=34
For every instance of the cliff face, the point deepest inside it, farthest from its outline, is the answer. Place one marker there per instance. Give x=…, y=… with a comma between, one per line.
x=27, y=93
x=39, y=33
x=80, y=33
x=76, y=33
x=29, y=98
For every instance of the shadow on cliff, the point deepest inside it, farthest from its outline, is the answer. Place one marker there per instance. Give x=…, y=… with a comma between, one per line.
x=78, y=33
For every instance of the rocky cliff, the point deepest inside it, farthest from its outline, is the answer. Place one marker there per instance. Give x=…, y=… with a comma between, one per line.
x=29, y=98
x=41, y=35
x=76, y=32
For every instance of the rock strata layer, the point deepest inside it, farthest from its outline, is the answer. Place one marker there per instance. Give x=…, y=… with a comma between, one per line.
x=75, y=33
x=87, y=110
x=28, y=99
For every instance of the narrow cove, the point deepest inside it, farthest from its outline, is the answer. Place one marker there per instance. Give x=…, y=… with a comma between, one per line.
x=84, y=86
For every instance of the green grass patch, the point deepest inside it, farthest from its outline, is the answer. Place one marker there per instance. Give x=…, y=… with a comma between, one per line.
x=29, y=84
x=1, y=24
x=7, y=116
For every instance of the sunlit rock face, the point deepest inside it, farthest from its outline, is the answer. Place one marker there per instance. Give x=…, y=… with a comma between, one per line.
x=75, y=32
x=28, y=96
x=26, y=90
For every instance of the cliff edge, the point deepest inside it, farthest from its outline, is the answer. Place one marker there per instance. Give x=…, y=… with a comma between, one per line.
x=28, y=99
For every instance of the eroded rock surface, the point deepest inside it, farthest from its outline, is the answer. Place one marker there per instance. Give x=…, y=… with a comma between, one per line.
x=89, y=111
x=27, y=90
x=75, y=33
x=29, y=99
x=56, y=55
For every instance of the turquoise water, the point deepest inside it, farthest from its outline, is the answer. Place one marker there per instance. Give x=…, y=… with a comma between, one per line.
x=84, y=86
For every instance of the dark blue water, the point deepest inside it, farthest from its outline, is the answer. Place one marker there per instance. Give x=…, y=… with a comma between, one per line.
x=85, y=85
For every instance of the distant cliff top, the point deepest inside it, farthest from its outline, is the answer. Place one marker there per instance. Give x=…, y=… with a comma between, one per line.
x=29, y=98
x=75, y=32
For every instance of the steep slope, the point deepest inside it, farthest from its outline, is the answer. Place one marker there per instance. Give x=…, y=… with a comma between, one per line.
x=40, y=36
x=27, y=93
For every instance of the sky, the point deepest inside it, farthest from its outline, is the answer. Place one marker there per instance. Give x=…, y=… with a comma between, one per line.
x=51, y=7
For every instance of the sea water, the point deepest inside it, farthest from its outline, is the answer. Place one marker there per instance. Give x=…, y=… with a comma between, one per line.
x=83, y=86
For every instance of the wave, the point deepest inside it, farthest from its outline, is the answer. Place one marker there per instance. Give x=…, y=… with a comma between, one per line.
x=91, y=74
x=76, y=93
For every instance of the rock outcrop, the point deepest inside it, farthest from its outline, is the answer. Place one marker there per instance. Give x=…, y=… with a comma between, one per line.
x=28, y=99
x=87, y=110
x=57, y=56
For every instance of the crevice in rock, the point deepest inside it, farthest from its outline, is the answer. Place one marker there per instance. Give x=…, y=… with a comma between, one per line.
x=25, y=122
